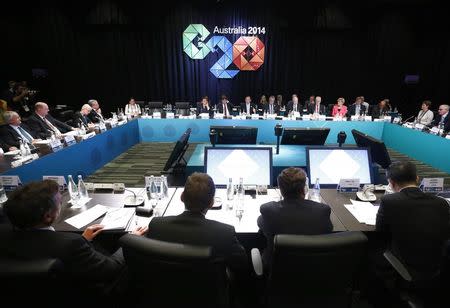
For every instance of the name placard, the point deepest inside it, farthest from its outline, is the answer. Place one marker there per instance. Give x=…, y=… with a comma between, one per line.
x=170, y=115
x=204, y=115
x=432, y=184
x=58, y=179
x=368, y=118
x=348, y=185
x=255, y=116
x=435, y=130
x=419, y=126
x=447, y=137
x=70, y=140
x=156, y=115
x=397, y=120
x=56, y=145
x=10, y=182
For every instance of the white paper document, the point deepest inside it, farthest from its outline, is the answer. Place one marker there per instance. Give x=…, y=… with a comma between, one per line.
x=88, y=216
x=364, y=212
x=117, y=218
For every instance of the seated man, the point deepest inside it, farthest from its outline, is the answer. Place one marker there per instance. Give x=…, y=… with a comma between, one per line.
x=82, y=118
x=294, y=214
x=317, y=107
x=271, y=107
x=247, y=107
x=443, y=118
x=416, y=223
x=95, y=115
x=31, y=210
x=294, y=105
x=13, y=132
x=43, y=125
x=191, y=227
x=357, y=108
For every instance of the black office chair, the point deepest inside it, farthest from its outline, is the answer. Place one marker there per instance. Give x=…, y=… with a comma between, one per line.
x=413, y=289
x=313, y=270
x=22, y=278
x=182, y=108
x=164, y=274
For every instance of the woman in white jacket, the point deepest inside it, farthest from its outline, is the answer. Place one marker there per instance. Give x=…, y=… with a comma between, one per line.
x=132, y=108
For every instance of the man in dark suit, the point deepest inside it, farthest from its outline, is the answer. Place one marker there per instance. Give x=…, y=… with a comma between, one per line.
x=95, y=115
x=191, y=227
x=294, y=105
x=317, y=106
x=13, y=132
x=247, y=106
x=82, y=117
x=42, y=124
x=31, y=210
x=225, y=107
x=294, y=214
x=357, y=108
x=415, y=223
x=443, y=118
x=271, y=107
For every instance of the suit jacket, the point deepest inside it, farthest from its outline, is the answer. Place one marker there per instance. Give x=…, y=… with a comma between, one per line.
x=417, y=226
x=292, y=217
x=253, y=108
x=352, y=109
x=81, y=261
x=276, y=108
x=40, y=129
x=193, y=228
x=94, y=117
x=446, y=122
x=229, y=107
x=201, y=109
x=290, y=107
x=10, y=137
x=376, y=111
x=312, y=108
x=78, y=118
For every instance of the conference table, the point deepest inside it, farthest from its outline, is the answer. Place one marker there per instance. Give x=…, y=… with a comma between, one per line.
x=87, y=156
x=224, y=210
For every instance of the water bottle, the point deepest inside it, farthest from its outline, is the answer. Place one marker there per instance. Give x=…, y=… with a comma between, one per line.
x=164, y=187
x=27, y=149
x=307, y=188
x=316, y=191
x=3, y=197
x=23, y=150
x=73, y=189
x=153, y=188
x=82, y=190
x=230, y=189
x=240, y=194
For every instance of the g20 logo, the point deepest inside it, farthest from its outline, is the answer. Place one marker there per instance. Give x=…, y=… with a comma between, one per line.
x=247, y=53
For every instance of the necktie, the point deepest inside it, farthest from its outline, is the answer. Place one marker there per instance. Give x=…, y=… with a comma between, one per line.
x=248, y=108
x=52, y=127
x=25, y=135
x=357, y=109
x=317, y=108
x=225, y=110
x=295, y=107
x=442, y=120
x=271, y=109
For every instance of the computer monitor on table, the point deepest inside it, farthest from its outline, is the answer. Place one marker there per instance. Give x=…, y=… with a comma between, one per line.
x=253, y=164
x=304, y=135
x=378, y=150
x=331, y=164
x=235, y=134
x=178, y=151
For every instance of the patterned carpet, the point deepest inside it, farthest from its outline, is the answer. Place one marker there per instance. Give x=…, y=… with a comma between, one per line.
x=146, y=159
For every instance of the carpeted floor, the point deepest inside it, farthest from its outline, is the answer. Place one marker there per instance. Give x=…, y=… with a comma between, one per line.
x=146, y=159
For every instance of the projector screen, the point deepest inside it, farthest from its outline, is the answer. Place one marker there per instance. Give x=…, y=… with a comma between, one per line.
x=331, y=165
x=253, y=164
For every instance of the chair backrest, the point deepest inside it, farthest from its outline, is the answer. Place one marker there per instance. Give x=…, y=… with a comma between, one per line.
x=316, y=268
x=25, y=277
x=177, y=274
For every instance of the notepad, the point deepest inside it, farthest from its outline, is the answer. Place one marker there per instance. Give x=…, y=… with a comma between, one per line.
x=117, y=218
x=364, y=212
x=88, y=216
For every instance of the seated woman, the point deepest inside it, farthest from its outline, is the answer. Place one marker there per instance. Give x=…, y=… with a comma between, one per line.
x=339, y=110
x=203, y=106
x=132, y=108
x=425, y=115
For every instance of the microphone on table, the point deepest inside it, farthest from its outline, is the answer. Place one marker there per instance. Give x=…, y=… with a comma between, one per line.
x=403, y=122
x=134, y=200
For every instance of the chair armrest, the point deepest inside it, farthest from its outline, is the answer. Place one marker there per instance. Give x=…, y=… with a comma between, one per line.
x=397, y=265
x=257, y=262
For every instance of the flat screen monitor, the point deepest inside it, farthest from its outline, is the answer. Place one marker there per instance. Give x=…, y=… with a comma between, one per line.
x=331, y=164
x=378, y=150
x=253, y=164
x=178, y=150
x=235, y=134
x=304, y=135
